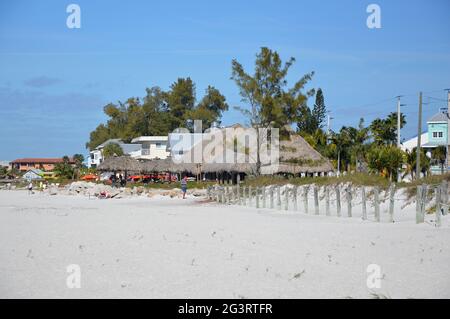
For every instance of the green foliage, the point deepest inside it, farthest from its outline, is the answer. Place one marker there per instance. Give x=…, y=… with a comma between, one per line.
x=112, y=149
x=64, y=169
x=386, y=160
x=271, y=102
x=3, y=171
x=384, y=131
x=159, y=113
x=411, y=160
x=439, y=154
x=313, y=120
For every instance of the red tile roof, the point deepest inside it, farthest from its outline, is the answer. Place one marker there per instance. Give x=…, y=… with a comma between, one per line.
x=40, y=160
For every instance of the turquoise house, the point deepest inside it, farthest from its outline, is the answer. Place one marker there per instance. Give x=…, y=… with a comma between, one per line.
x=437, y=135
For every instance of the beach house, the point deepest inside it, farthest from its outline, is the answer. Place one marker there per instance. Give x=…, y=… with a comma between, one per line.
x=151, y=147
x=45, y=164
x=96, y=155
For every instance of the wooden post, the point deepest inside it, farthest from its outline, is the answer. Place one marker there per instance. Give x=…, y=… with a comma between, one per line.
x=294, y=197
x=327, y=201
x=338, y=201
x=217, y=195
x=364, y=206
x=238, y=193
x=391, y=202
x=257, y=196
x=444, y=197
x=250, y=196
x=377, y=204
x=418, y=203
x=271, y=197
x=349, y=200
x=278, y=197
x=305, y=199
x=423, y=202
x=438, y=206
x=264, y=197
x=316, y=200
x=227, y=195
x=286, y=198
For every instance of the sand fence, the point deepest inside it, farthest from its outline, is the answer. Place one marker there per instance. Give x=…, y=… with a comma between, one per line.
x=339, y=200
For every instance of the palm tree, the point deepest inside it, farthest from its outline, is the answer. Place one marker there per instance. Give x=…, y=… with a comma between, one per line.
x=78, y=159
x=411, y=160
x=440, y=155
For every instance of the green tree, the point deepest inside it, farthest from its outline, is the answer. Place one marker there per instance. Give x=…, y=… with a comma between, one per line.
x=112, y=149
x=386, y=160
x=411, y=160
x=440, y=155
x=79, y=160
x=270, y=103
x=319, y=111
x=65, y=168
x=384, y=131
x=158, y=113
x=210, y=108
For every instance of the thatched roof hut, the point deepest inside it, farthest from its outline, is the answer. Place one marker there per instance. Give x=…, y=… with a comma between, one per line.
x=120, y=163
x=297, y=156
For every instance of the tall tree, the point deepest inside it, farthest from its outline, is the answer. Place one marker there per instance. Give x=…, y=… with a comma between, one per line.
x=384, y=131
x=180, y=100
x=270, y=103
x=319, y=111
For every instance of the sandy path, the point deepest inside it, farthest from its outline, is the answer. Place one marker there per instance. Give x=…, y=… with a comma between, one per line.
x=170, y=248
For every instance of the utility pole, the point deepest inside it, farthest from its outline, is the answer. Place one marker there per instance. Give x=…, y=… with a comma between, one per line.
x=329, y=118
x=398, y=121
x=419, y=135
x=446, y=144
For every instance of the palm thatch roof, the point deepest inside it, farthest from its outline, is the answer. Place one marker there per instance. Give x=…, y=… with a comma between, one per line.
x=296, y=156
x=120, y=163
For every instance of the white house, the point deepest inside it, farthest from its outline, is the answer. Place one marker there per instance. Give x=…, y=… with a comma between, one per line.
x=152, y=147
x=411, y=143
x=96, y=155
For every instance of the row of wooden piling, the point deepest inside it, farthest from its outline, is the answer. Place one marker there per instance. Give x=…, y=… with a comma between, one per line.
x=263, y=197
x=440, y=205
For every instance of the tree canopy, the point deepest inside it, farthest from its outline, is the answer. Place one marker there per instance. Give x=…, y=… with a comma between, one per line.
x=159, y=112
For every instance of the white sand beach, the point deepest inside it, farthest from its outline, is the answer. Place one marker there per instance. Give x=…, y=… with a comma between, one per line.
x=161, y=247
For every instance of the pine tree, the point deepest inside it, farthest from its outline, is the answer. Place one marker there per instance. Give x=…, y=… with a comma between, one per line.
x=319, y=111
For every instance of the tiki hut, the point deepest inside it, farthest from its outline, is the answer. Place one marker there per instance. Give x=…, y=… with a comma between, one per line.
x=120, y=163
x=297, y=157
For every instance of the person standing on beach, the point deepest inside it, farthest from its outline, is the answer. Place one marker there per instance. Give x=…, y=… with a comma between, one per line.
x=184, y=186
x=30, y=188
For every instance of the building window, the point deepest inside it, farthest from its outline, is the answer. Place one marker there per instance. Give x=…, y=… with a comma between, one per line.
x=158, y=145
x=440, y=134
x=434, y=134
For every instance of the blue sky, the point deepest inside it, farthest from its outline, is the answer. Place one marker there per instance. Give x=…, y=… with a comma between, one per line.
x=54, y=81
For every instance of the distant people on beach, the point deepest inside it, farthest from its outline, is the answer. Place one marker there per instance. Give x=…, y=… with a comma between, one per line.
x=184, y=186
x=30, y=188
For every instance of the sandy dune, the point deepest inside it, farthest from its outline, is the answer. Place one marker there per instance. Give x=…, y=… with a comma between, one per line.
x=173, y=248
